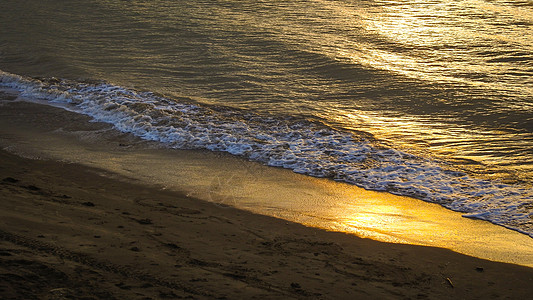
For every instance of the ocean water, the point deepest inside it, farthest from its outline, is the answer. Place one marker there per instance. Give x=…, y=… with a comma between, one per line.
x=430, y=99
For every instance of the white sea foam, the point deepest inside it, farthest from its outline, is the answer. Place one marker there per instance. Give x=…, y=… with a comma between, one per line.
x=302, y=146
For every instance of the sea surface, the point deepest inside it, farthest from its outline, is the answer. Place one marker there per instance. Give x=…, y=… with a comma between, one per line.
x=429, y=99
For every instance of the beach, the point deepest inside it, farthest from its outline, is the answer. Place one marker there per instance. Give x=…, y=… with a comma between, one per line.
x=74, y=231
x=266, y=149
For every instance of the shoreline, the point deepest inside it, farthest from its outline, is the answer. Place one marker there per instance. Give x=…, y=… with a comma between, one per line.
x=91, y=234
x=71, y=230
x=37, y=130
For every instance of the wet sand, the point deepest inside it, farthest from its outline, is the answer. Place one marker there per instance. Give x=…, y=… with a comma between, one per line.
x=72, y=231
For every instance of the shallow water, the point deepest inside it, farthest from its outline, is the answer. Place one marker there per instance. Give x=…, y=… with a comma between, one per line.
x=431, y=99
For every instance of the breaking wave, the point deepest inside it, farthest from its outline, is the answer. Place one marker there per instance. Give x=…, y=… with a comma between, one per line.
x=301, y=145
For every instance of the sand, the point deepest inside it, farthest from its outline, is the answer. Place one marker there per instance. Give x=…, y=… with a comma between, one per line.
x=69, y=231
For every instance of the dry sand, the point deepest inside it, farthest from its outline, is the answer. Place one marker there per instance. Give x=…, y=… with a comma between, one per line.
x=72, y=232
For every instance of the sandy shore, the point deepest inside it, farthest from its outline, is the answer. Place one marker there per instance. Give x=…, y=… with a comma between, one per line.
x=71, y=231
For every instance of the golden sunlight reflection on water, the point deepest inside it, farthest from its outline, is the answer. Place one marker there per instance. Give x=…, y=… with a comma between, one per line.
x=442, y=37
x=325, y=203
x=482, y=45
x=428, y=132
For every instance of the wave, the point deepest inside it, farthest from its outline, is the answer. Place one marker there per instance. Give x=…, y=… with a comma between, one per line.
x=294, y=143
